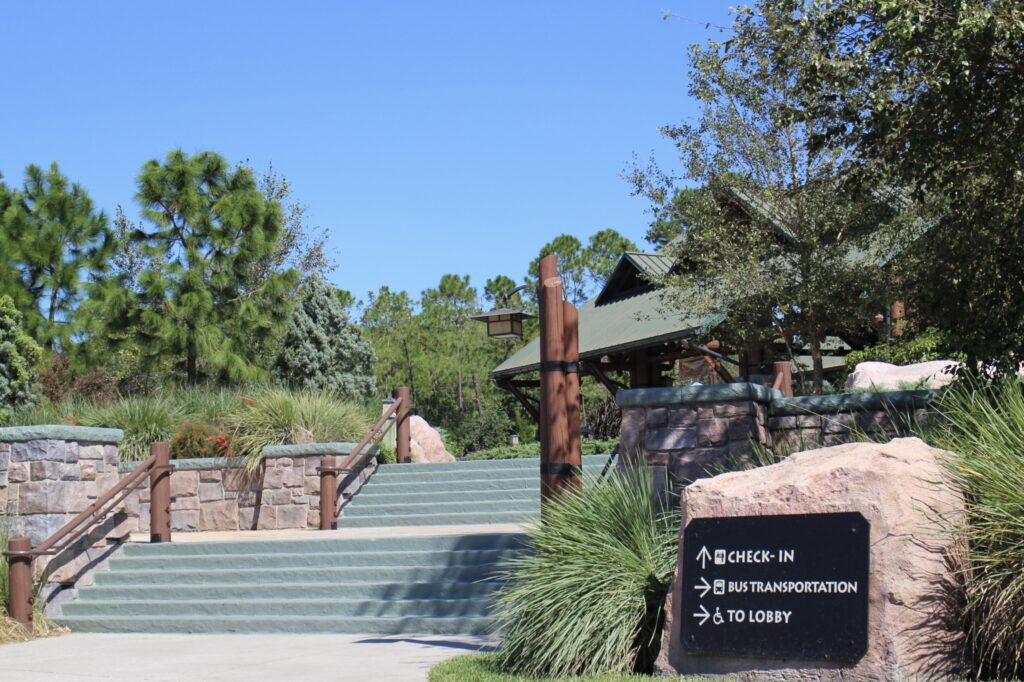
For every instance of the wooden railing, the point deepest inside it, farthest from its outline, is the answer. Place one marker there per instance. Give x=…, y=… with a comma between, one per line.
x=20, y=552
x=329, y=470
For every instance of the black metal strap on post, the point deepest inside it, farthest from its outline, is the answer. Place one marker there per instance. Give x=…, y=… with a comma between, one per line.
x=560, y=469
x=560, y=366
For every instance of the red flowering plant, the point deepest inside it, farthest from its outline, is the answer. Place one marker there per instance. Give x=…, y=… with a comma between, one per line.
x=200, y=440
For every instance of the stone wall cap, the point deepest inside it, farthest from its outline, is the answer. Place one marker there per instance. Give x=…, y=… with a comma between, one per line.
x=307, y=449
x=853, y=402
x=269, y=452
x=82, y=434
x=683, y=395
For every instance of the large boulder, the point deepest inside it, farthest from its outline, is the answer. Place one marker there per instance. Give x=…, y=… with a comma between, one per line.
x=883, y=376
x=903, y=491
x=426, y=446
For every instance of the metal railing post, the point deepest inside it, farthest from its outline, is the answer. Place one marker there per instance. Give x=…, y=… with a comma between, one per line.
x=19, y=586
x=402, y=431
x=160, y=493
x=328, y=492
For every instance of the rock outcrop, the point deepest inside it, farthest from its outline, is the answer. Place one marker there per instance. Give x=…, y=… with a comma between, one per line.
x=426, y=446
x=883, y=376
x=903, y=491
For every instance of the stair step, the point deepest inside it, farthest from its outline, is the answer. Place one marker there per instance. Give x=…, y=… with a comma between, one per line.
x=529, y=463
x=410, y=625
x=321, y=590
x=321, y=543
x=352, y=608
x=393, y=472
x=258, y=575
x=428, y=558
x=363, y=508
x=402, y=495
x=477, y=518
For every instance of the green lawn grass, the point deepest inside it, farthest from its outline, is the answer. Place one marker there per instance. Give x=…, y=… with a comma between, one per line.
x=483, y=668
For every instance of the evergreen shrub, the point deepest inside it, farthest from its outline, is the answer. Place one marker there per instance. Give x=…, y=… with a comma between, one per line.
x=587, y=597
x=19, y=356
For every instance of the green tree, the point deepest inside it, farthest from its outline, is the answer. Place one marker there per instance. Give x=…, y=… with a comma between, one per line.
x=388, y=320
x=55, y=236
x=583, y=269
x=602, y=254
x=19, y=357
x=321, y=350
x=776, y=238
x=208, y=226
x=301, y=246
x=933, y=90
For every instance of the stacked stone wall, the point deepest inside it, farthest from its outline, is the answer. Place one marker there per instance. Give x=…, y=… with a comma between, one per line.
x=689, y=433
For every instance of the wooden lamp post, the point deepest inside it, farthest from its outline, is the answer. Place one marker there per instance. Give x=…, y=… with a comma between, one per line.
x=560, y=459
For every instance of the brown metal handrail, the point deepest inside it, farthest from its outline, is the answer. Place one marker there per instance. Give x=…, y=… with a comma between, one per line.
x=95, y=512
x=375, y=434
x=398, y=410
x=20, y=551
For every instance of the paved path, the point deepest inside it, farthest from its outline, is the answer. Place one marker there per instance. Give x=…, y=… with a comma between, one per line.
x=202, y=658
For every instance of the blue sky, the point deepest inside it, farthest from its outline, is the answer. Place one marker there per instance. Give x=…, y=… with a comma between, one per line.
x=428, y=137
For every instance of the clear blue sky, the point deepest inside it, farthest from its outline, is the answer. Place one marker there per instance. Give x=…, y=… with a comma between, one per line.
x=428, y=137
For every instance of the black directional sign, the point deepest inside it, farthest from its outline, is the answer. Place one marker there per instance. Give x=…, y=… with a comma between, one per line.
x=790, y=586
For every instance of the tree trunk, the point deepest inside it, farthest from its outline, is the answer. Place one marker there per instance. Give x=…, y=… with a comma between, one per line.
x=476, y=395
x=458, y=392
x=818, y=370
x=52, y=315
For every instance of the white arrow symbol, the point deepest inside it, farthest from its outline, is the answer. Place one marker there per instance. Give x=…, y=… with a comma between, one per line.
x=702, y=556
x=703, y=587
x=702, y=614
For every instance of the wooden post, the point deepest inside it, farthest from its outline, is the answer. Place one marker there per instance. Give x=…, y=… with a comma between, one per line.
x=19, y=585
x=573, y=464
x=403, y=437
x=784, y=378
x=160, y=493
x=554, y=435
x=328, y=492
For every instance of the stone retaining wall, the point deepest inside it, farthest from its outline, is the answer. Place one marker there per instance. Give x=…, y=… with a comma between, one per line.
x=221, y=494
x=692, y=432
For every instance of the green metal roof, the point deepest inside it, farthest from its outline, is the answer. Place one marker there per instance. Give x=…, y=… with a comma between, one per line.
x=650, y=264
x=624, y=324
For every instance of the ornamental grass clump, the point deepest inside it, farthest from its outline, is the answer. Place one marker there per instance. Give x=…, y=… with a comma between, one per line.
x=587, y=597
x=144, y=420
x=984, y=427
x=276, y=416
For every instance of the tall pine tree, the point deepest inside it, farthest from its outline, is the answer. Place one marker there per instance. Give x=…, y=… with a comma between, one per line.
x=51, y=236
x=207, y=225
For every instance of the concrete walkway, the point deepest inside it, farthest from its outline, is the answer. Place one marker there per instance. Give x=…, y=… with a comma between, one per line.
x=199, y=658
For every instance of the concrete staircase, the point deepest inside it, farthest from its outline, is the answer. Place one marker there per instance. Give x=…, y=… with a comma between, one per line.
x=398, y=581
x=485, y=491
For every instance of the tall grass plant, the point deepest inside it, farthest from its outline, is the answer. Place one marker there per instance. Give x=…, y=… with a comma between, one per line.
x=983, y=426
x=587, y=598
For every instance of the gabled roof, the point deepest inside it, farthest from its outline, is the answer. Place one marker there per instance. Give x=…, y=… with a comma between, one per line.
x=621, y=318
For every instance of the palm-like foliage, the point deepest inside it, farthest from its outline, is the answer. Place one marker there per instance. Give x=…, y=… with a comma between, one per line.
x=587, y=597
x=984, y=427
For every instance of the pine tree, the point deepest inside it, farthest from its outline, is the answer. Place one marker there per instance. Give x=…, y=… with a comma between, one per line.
x=53, y=235
x=205, y=225
x=19, y=355
x=321, y=350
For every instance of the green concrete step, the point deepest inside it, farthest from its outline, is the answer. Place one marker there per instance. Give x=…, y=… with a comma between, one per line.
x=422, y=558
x=403, y=520
x=108, y=594
x=376, y=508
x=319, y=543
x=493, y=465
x=356, y=608
x=410, y=625
x=258, y=575
x=402, y=495
x=478, y=485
